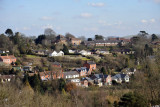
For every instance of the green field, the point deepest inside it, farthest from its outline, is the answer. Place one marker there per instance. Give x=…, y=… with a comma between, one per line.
x=84, y=59
x=32, y=56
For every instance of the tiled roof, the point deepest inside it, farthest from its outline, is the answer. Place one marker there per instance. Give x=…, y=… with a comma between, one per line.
x=119, y=76
x=8, y=57
x=82, y=68
x=91, y=63
x=71, y=73
x=6, y=76
x=100, y=76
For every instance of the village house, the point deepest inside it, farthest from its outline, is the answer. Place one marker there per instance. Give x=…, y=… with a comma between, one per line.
x=84, y=82
x=27, y=68
x=102, y=51
x=119, y=78
x=91, y=66
x=109, y=42
x=121, y=39
x=54, y=53
x=71, y=74
x=123, y=51
x=82, y=71
x=3, y=51
x=100, y=79
x=106, y=79
x=76, y=81
x=97, y=80
x=6, y=78
x=40, y=52
x=61, y=39
x=71, y=51
x=89, y=43
x=90, y=81
x=106, y=43
x=75, y=41
x=49, y=75
x=129, y=71
x=156, y=42
x=85, y=53
x=9, y=59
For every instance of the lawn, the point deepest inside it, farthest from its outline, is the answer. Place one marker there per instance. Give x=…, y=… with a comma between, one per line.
x=32, y=56
x=84, y=59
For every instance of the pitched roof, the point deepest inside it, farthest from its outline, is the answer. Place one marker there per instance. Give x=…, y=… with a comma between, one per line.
x=82, y=68
x=8, y=57
x=119, y=76
x=71, y=73
x=6, y=76
x=91, y=63
x=101, y=76
x=56, y=63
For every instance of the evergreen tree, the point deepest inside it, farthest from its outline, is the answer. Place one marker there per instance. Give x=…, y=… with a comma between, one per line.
x=154, y=37
x=9, y=32
x=89, y=39
x=61, y=84
x=65, y=49
x=133, y=100
x=99, y=37
x=103, y=70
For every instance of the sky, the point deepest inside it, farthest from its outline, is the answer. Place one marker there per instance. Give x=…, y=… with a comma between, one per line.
x=81, y=17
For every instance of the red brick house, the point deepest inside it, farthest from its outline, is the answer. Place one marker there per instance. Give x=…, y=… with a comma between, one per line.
x=8, y=59
x=49, y=75
x=61, y=39
x=75, y=41
x=82, y=71
x=91, y=66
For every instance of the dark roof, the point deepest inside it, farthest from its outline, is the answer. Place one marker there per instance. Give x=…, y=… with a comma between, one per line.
x=80, y=69
x=120, y=76
x=8, y=57
x=100, y=76
x=6, y=76
x=71, y=73
x=89, y=79
x=91, y=63
x=106, y=41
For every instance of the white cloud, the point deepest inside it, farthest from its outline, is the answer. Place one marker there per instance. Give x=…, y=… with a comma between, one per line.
x=46, y=18
x=25, y=28
x=94, y=29
x=148, y=21
x=144, y=21
x=118, y=23
x=96, y=4
x=152, y=20
x=102, y=22
x=47, y=26
x=86, y=15
x=51, y=27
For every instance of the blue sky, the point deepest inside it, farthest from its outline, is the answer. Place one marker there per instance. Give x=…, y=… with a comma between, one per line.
x=81, y=17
